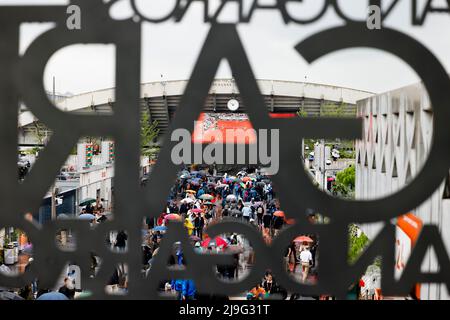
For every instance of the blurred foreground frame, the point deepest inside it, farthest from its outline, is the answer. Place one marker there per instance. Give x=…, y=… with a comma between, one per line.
x=21, y=79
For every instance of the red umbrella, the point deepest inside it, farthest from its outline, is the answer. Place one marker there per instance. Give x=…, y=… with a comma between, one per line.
x=245, y=179
x=290, y=221
x=173, y=216
x=218, y=241
x=196, y=210
x=303, y=239
x=279, y=213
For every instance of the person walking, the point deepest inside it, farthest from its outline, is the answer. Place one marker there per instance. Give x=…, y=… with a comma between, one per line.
x=188, y=290
x=121, y=241
x=259, y=215
x=199, y=223
x=246, y=213
x=305, y=260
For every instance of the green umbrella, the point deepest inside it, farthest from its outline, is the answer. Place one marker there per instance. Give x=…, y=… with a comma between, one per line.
x=87, y=201
x=206, y=197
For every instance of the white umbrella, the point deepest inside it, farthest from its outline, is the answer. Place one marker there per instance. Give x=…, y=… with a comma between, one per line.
x=86, y=216
x=187, y=200
x=231, y=197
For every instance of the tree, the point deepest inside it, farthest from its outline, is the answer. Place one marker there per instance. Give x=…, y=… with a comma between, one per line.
x=358, y=241
x=345, y=183
x=302, y=113
x=40, y=133
x=333, y=111
x=149, y=131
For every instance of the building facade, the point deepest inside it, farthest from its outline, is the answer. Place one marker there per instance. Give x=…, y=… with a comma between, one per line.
x=398, y=128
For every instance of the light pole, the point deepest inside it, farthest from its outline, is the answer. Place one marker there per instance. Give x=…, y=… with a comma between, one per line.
x=324, y=163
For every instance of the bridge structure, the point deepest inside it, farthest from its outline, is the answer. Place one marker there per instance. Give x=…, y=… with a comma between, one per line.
x=162, y=99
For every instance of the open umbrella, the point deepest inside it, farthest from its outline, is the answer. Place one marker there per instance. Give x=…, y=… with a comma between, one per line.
x=63, y=216
x=191, y=191
x=227, y=180
x=173, y=216
x=187, y=200
x=86, y=216
x=231, y=197
x=206, y=197
x=209, y=203
x=194, y=182
x=279, y=213
x=28, y=249
x=83, y=294
x=235, y=212
x=245, y=179
x=217, y=241
x=87, y=201
x=303, y=239
x=194, y=238
x=290, y=221
x=235, y=249
x=52, y=296
x=196, y=210
x=159, y=228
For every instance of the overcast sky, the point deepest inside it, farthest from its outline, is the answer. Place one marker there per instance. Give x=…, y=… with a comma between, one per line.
x=171, y=49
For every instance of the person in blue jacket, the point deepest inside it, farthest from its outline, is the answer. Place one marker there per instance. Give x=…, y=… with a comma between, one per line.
x=177, y=285
x=188, y=290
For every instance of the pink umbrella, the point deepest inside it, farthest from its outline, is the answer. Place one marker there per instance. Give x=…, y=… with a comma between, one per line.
x=196, y=210
x=303, y=239
x=173, y=216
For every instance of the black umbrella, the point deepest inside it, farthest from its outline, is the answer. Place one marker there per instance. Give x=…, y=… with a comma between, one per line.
x=235, y=212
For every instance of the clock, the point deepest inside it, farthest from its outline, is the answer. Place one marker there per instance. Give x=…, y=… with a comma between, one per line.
x=233, y=105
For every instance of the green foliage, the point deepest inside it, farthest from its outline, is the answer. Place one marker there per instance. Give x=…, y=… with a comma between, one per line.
x=149, y=132
x=357, y=244
x=345, y=154
x=345, y=183
x=331, y=110
x=40, y=132
x=347, y=177
x=74, y=151
x=15, y=235
x=302, y=113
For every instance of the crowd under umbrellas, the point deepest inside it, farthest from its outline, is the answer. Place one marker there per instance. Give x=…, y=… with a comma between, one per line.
x=199, y=199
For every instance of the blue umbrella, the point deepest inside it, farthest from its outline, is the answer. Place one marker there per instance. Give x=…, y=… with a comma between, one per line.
x=52, y=296
x=86, y=216
x=159, y=228
x=63, y=216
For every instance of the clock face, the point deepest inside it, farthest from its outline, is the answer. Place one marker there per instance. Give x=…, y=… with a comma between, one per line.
x=233, y=105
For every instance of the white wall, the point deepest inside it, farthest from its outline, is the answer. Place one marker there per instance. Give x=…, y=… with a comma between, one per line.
x=402, y=120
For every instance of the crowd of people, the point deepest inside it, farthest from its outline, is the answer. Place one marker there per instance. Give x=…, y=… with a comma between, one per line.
x=199, y=199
